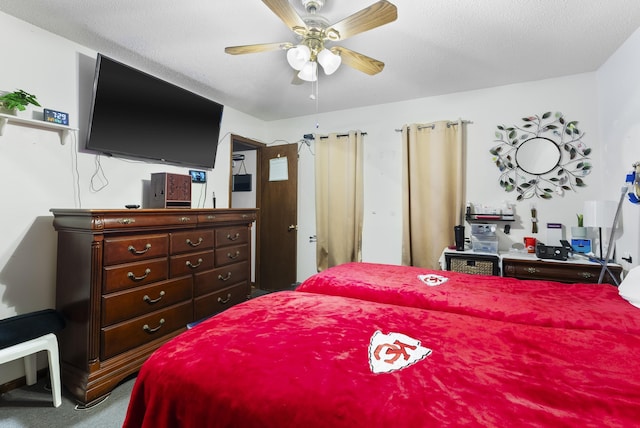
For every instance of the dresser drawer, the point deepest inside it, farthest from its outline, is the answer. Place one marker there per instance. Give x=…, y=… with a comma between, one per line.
x=120, y=277
x=228, y=255
x=138, y=331
x=124, y=305
x=191, y=263
x=213, y=303
x=558, y=271
x=217, y=279
x=232, y=236
x=191, y=240
x=219, y=216
x=132, y=248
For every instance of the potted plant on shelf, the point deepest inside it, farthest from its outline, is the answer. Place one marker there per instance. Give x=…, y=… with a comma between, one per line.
x=17, y=100
x=579, y=231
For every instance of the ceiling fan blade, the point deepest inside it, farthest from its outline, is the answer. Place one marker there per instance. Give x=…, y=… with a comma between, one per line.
x=287, y=14
x=265, y=47
x=377, y=14
x=358, y=61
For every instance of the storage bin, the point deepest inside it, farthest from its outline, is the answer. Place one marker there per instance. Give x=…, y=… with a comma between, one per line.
x=484, y=244
x=476, y=265
x=484, y=229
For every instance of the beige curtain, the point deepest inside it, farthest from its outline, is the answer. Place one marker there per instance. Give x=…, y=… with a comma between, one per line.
x=433, y=178
x=339, y=199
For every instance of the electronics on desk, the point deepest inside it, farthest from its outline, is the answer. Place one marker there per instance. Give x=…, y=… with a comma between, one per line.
x=554, y=233
x=458, y=234
x=554, y=253
x=582, y=246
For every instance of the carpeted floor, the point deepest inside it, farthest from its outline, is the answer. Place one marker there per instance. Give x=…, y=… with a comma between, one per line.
x=32, y=406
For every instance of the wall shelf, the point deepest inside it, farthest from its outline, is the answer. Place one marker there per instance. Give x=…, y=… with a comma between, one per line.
x=62, y=130
x=471, y=218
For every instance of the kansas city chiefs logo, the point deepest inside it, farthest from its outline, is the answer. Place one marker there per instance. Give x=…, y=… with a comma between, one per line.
x=394, y=351
x=432, y=279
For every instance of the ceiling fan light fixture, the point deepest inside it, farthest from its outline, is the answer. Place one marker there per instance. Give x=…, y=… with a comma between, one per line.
x=298, y=56
x=329, y=61
x=309, y=72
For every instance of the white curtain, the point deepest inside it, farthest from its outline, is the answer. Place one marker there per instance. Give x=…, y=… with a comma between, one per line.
x=433, y=176
x=339, y=199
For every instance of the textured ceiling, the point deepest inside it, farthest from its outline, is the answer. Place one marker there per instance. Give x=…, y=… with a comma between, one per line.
x=434, y=47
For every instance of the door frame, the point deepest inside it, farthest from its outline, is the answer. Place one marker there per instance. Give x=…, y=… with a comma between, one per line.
x=240, y=143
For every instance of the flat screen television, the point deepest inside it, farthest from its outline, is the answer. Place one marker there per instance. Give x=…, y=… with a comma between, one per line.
x=136, y=115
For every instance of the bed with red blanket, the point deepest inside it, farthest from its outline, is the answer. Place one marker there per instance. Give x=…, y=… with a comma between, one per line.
x=544, y=303
x=302, y=359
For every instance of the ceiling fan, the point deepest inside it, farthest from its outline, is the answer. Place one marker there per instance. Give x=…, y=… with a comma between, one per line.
x=314, y=31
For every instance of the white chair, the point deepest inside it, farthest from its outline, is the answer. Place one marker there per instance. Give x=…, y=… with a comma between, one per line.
x=23, y=336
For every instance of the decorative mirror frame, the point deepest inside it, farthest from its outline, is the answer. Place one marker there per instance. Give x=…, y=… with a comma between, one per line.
x=573, y=162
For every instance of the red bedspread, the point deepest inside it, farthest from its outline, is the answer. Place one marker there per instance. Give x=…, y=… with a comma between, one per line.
x=545, y=303
x=293, y=359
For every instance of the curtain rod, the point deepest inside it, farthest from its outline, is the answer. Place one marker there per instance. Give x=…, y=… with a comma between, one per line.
x=341, y=135
x=433, y=125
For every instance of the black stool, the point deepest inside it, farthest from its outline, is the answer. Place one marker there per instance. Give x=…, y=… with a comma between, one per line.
x=22, y=336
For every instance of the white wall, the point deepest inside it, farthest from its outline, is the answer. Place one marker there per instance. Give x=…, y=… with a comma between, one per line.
x=619, y=113
x=37, y=173
x=575, y=96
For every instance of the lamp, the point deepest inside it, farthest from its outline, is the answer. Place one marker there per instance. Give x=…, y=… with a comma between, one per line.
x=298, y=56
x=599, y=214
x=329, y=61
x=305, y=58
x=309, y=71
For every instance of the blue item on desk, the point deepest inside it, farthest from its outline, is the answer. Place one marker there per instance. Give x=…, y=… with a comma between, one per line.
x=581, y=245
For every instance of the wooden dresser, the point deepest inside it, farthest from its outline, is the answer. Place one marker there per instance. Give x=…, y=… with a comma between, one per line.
x=561, y=271
x=129, y=280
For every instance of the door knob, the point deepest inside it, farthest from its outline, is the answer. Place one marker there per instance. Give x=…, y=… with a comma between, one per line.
x=292, y=227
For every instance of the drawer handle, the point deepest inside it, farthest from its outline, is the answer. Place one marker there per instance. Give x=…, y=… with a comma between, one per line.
x=184, y=219
x=233, y=256
x=153, y=330
x=234, y=237
x=587, y=275
x=191, y=265
x=211, y=217
x=224, y=301
x=132, y=276
x=195, y=244
x=225, y=278
x=152, y=301
x=531, y=270
x=133, y=250
x=126, y=220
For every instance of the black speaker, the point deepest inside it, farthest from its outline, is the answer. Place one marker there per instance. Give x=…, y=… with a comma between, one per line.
x=458, y=232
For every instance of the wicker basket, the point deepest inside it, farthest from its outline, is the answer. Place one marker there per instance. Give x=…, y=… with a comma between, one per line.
x=473, y=266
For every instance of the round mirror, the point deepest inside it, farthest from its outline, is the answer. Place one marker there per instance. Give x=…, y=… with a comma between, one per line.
x=541, y=158
x=538, y=155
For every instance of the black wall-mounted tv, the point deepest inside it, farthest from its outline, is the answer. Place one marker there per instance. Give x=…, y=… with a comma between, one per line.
x=136, y=115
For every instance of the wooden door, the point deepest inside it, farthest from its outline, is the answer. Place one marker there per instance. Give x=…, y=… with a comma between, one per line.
x=278, y=217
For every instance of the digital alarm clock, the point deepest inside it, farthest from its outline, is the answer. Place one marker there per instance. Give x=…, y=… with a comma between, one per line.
x=58, y=117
